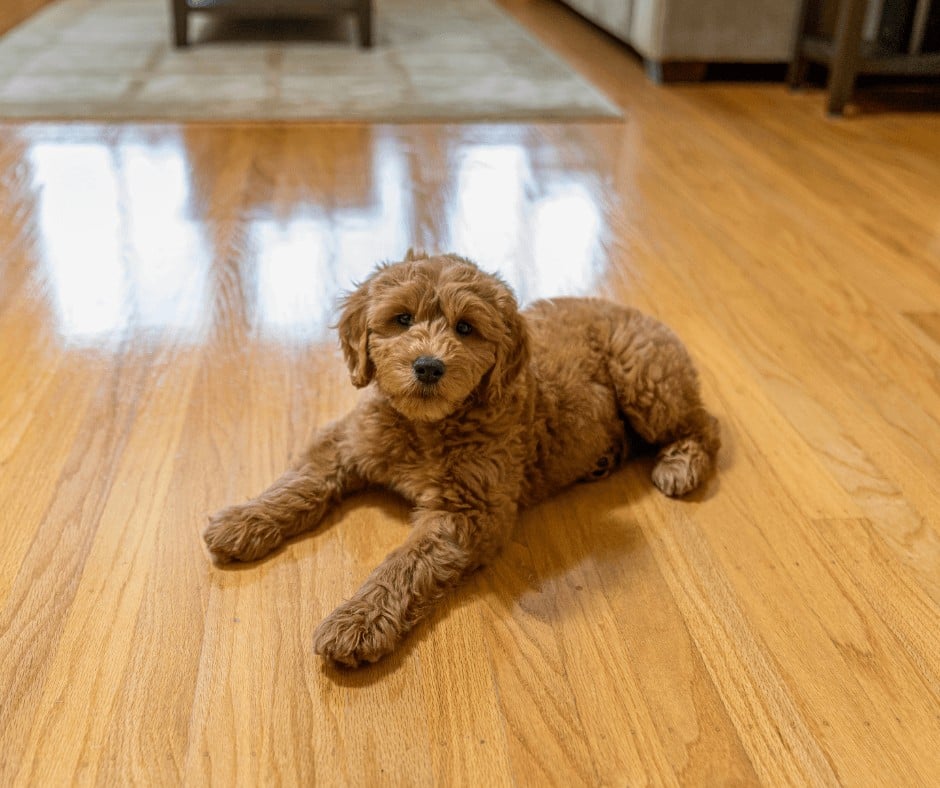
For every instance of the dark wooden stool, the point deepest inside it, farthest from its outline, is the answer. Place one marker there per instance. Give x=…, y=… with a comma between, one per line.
x=847, y=56
x=264, y=9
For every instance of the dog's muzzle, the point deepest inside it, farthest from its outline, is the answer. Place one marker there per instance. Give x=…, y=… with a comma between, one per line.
x=428, y=369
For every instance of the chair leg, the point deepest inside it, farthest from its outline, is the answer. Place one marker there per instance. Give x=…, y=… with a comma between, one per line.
x=180, y=23
x=846, y=44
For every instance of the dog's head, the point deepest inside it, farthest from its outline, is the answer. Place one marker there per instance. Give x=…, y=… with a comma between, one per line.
x=433, y=332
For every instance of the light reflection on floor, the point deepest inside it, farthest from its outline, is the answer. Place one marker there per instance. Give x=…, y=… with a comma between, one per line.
x=118, y=250
x=542, y=237
x=126, y=253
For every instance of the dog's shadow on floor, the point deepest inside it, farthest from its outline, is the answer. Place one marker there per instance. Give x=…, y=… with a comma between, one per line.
x=558, y=548
x=584, y=536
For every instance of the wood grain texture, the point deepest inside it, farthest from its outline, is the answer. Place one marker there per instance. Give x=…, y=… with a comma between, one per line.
x=166, y=296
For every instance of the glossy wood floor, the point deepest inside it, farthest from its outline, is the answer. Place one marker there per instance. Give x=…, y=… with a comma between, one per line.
x=165, y=301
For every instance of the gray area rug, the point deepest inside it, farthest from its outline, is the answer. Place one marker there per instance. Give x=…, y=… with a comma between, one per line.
x=453, y=60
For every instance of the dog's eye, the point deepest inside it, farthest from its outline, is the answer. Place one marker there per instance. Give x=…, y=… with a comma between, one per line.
x=463, y=327
x=404, y=319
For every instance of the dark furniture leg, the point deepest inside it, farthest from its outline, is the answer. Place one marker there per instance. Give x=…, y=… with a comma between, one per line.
x=180, y=23
x=365, y=23
x=845, y=56
x=798, y=64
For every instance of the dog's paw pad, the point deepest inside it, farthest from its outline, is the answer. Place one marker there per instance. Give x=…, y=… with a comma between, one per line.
x=355, y=633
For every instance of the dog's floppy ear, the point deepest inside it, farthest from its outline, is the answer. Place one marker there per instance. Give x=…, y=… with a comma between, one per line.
x=354, y=335
x=512, y=351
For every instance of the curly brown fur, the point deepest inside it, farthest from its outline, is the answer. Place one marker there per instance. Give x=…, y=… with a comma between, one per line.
x=527, y=403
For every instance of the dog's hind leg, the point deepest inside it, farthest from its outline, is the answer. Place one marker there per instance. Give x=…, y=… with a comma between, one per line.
x=658, y=391
x=293, y=504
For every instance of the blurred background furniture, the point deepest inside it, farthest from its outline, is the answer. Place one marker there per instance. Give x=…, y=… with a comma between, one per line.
x=678, y=38
x=267, y=9
x=884, y=37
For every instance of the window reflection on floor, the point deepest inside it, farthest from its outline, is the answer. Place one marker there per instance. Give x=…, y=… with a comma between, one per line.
x=306, y=262
x=294, y=278
x=487, y=209
x=80, y=225
x=118, y=250
x=127, y=248
x=566, y=228
x=542, y=234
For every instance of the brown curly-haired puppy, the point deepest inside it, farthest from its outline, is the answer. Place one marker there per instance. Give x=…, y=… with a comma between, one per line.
x=474, y=410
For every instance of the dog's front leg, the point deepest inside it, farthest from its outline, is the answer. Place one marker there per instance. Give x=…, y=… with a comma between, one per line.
x=294, y=503
x=441, y=548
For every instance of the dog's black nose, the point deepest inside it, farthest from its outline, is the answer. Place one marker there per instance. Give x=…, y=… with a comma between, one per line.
x=428, y=369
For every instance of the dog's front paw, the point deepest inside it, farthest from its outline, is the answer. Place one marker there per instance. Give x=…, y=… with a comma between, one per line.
x=241, y=533
x=681, y=467
x=357, y=631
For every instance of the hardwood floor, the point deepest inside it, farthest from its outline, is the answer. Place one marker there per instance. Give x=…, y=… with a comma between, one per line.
x=166, y=294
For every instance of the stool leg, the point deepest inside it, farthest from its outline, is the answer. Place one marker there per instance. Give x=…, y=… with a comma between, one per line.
x=844, y=65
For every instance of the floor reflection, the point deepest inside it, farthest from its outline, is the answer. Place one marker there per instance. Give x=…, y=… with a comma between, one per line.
x=308, y=260
x=130, y=247
x=79, y=220
x=118, y=253
x=169, y=255
x=294, y=278
x=566, y=227
x=488, y=208
x=540, y=231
